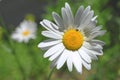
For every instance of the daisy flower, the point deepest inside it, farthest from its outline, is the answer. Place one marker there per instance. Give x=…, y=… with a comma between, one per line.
x=72, y=39
x=25, y=31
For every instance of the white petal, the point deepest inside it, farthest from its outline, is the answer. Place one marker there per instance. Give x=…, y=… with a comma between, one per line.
x=92, y=46
x=32, y=36
x=17, y=36
x=54, y=26
x=89, y=27
x=47, y=24
x=97, y=47
x=53, y=50
x=97, y=33
x=26, y=40
x=86, y=19
x=94, y=18
x=69, y=62
x=78, y=15
x=48, y=43
x=58, y=19
x=93, y=51
x=77, y=61
x=50, y=34
x=93, y=56
x=54, y=63
x=58, y=53
x=96, y=53
x=62, y=59
x=18, y=29
x=65, y=18
x=84, y=56
x=96, y=28
x=86, y=65
x=98, y=42
x=85, y=13
x=14, y=36
x=69, y=14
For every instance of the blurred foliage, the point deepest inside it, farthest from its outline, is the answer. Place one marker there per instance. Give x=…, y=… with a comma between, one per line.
x=20, y=61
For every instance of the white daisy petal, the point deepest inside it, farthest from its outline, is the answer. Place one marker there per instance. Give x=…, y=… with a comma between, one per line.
x=94, y=18
x=69, y=14
x=57, y=53
x=17, y=37
x=69, y=63
x=86, y=19
x=98, y=33
x=92, y=55
x=90, y=45
x=85, y=13
x=50, y=34
x=65, y=17
x=77, y=61
x=97, y=28
x=84, y=56
x=97, y=53
x=86, y=65
x=93, y=51
x=54, y=63
x=54, y=26
x=62, y=59
x=48, y=43
x=52, y=50
x=47, y=24
x=97, y=47
x=58, y=19
x=87, y=29
x=91, y=25
x=78, y=15
x=97, y=42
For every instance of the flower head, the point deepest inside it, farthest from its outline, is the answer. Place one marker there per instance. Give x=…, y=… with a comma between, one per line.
x=72, y=39
x=25, y=31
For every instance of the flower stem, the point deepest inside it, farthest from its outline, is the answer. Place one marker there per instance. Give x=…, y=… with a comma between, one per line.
x=50, y=74
x=17, y=60
x=19, y=65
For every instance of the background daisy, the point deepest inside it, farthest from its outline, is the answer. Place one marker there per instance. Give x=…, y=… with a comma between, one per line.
x=25, y=31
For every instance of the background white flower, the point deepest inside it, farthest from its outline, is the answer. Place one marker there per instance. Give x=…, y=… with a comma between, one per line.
x=72, y=38
x=25, y=31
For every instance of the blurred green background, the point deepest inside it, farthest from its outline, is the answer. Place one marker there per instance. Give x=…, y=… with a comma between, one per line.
x=20, y=61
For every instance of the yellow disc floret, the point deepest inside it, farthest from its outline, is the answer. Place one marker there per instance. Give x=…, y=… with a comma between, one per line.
x=26, y=33
x=72, y=39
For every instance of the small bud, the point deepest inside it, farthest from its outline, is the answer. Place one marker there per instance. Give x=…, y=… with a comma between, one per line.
x=30, y=17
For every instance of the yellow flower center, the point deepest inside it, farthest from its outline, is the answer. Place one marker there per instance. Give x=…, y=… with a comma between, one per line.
x=26, y=33
x=72, y=39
